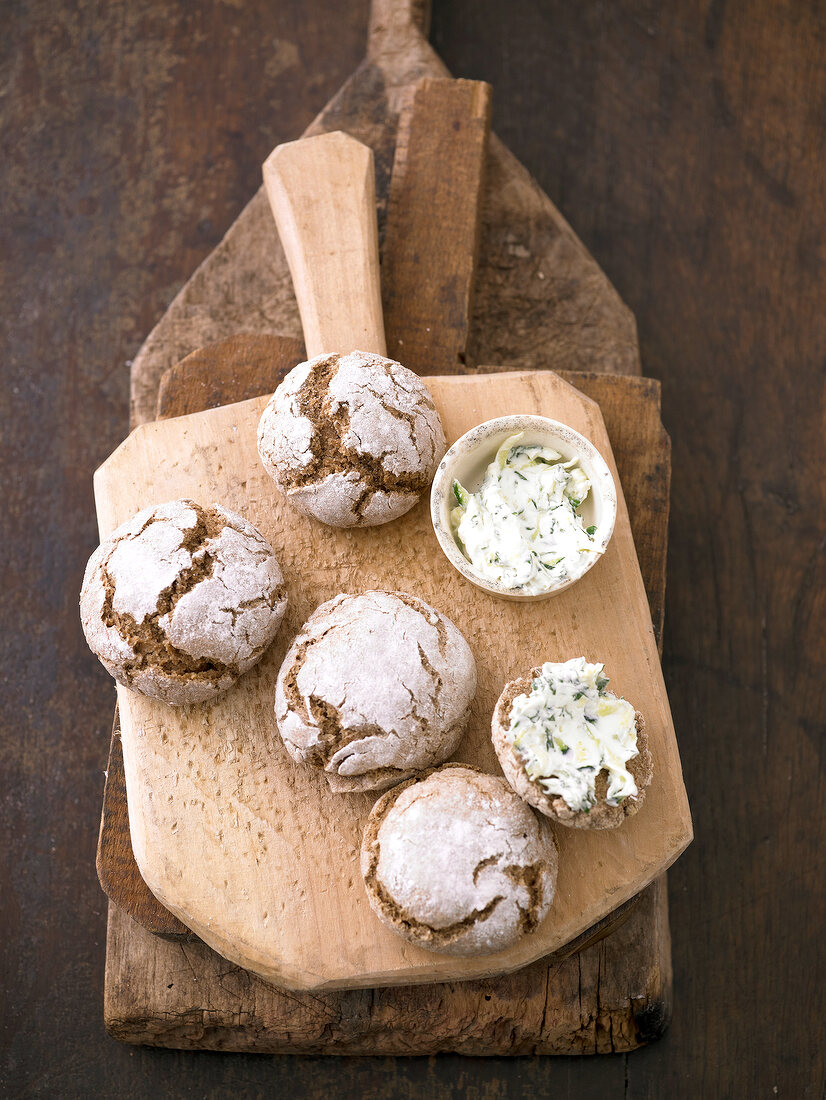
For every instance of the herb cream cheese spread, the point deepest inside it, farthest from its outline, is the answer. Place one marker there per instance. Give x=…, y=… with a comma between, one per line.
x=569, y=728
x=521, y=528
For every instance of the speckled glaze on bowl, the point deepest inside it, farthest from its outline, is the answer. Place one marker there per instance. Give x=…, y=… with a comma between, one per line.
x=469, y=457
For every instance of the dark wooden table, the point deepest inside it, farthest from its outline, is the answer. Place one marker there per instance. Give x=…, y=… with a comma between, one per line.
x=686, y=144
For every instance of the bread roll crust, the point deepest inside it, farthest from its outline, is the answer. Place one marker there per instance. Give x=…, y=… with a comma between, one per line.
x=181, y=600
x=351, y=440
x=374, y=688
x=455, y=862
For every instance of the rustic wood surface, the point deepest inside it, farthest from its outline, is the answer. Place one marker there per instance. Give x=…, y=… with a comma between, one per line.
x=429, y=268
x=560, y=1006
x=266, y=880
x=236, y=365
x=116, y=867
x=683, y=144
x=540, y=299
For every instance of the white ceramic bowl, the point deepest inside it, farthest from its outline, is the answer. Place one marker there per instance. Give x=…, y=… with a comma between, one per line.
x=470, y=456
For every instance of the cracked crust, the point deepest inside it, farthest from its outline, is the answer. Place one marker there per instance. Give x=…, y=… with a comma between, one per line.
x=181, y=600
x=601, y=815
x=455, y=862
x=375, y=688
x=351, y=440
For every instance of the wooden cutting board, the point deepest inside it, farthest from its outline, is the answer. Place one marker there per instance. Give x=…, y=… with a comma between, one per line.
x=250, y=851
x=612, y=995
x=246, y=365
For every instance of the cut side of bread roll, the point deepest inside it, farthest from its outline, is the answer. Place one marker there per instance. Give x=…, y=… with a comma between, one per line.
x=601, y=796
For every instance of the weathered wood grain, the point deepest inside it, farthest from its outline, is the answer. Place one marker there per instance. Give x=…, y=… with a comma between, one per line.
x=540, y=300
x=244, y=365
x=611, y=997
x=433, y=221
x=116, y=867
x=414, y=173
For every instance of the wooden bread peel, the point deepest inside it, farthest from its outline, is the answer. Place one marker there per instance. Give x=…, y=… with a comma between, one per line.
x=264, y=873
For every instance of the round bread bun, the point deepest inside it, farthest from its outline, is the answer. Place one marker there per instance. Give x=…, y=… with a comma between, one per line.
x=351, y=440
x=181, y=600
x=601, y=815
x=455, y=862
x=375, y=688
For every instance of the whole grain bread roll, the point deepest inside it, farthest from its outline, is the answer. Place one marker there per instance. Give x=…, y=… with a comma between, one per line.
x=181, y=600
x=375, y=687
x=601, y=815
x=351, y=440
x=455, y=862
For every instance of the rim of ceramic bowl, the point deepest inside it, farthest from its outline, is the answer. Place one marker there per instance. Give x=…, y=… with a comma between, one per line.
x=480, y=438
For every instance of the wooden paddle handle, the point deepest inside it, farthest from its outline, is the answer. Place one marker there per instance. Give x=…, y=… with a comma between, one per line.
x=322, y=192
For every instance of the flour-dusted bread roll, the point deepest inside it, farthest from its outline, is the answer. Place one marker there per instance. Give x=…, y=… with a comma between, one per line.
x=352, y=440
x=374, y=688
x=569, y=747
x=181, y=600
x=455, y=862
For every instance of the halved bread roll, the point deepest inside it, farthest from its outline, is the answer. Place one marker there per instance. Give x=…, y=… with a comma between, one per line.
x=602, y=811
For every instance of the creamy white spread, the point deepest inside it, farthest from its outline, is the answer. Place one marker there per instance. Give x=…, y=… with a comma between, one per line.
x=568, y=728
x=521, y=527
